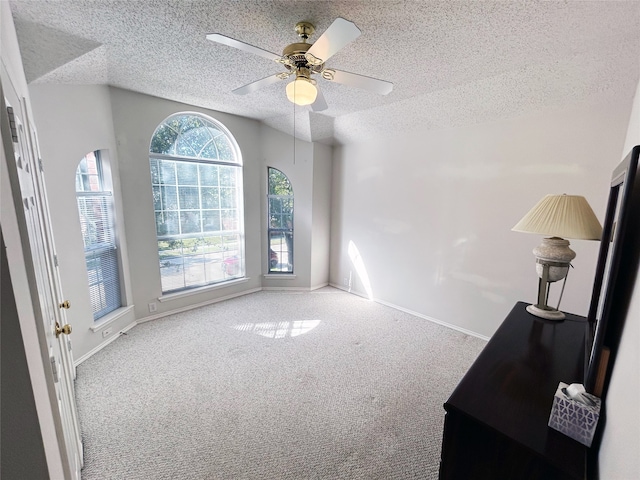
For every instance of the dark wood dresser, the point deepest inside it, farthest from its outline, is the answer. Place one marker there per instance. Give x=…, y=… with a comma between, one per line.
x=496, y=418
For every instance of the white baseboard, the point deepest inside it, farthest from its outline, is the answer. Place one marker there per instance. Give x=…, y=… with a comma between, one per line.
x=197, y=305
x=348, y=290
x=416, y=314
x=296, y=289
x=104, y=344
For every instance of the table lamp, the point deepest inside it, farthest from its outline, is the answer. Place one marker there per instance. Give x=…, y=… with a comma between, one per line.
x=560, y=216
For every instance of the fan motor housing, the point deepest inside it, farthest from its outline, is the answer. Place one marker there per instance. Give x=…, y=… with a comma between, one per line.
x=295, y=53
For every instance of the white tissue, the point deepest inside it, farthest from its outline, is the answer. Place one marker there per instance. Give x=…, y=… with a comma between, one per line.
x=576, y=392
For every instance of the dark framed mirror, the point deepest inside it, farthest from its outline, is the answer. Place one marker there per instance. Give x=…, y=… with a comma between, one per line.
x=608, y=284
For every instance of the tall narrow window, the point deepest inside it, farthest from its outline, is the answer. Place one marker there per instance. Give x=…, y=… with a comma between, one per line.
x=196, y=176
x=95, y=206
x=280, y=231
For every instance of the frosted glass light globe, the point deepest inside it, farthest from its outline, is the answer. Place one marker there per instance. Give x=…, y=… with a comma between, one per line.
x=302, y=92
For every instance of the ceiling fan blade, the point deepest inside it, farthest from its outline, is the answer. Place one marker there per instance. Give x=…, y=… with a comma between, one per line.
x=253, y=86
x=320, y=104
x=216, y=37
x=340, y=33
x=359, y=81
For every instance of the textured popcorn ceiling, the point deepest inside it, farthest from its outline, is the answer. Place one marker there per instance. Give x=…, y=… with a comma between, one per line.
x=451, y=63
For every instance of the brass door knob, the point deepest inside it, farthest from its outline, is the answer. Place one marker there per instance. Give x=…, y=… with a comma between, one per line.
x=66, y=329
x=66, y=304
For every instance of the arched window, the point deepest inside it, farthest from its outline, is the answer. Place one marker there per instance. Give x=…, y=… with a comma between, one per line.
x=196, y=176
x=280, y=231
x=95, y=206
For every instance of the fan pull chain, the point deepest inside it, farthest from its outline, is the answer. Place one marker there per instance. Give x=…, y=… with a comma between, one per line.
x=294, y=123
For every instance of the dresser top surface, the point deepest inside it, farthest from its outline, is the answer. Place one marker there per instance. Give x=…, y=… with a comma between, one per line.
x=511, y=385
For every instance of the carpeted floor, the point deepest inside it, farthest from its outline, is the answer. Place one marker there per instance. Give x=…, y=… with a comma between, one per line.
x=272, y=385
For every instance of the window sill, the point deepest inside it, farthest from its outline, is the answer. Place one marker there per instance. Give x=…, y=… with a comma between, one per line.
x=280, y=276
x=110, y=318
x=195, y=291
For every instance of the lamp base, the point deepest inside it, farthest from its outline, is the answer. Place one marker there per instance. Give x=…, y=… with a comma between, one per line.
x=547, y=313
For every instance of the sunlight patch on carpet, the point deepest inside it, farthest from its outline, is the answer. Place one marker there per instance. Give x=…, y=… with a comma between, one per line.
x=278, y=329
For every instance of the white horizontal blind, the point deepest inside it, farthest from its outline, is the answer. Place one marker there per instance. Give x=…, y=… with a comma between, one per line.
x=96, y=220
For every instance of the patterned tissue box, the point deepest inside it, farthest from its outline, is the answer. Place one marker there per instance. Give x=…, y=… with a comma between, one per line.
x=573, y=418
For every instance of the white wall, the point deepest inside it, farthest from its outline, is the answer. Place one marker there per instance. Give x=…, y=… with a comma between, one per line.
x=321, y=219
x=619, y=459
x=310, y=176
x=431, y=214
x=135, y=118
x=278, y=152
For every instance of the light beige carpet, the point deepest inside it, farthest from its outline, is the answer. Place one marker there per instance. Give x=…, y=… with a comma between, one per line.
x=272, y=385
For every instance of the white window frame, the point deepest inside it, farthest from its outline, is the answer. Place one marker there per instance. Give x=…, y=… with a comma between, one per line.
x=205, y=217
x=280, y=224
x=99, y=234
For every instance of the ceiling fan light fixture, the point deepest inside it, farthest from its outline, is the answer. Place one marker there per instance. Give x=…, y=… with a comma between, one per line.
x=301, y=91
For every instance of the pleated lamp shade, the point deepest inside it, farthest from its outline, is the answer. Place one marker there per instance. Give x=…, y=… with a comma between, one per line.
x=565, y=216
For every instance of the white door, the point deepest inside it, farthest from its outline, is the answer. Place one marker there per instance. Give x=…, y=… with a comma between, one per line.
x=25, y=174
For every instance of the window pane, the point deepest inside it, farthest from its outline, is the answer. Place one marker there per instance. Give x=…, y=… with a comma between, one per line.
x=275, y=205
x=163, y=140
x=95, y=221
x=231, y=266
x=169, y=198
x=281, y=250
x=169, y=249
x=157, y=198
x=196, y=139
x=227, y=197
x=209, y=175
x=210, y=197
x=82, y=166
x=190, y=222
x=223, y=145
x=187, y=173
x=280, y=231
x=286, y=205
x=167, y=223
x=229, y=220
x=231, y=244
x=210, y=151
x=194, y=270
x=211, y=220
x=155, y=175
x=188, y=122
x=213, y=244
x=167, y=172
x=104, y=282
x=228, y=176
x=192, y=136
x=171, y=269
x=189, y=198
x=185, y=150
x=279, y=183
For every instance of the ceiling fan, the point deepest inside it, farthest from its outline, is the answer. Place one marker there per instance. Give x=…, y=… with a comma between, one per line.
x=304, y=59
